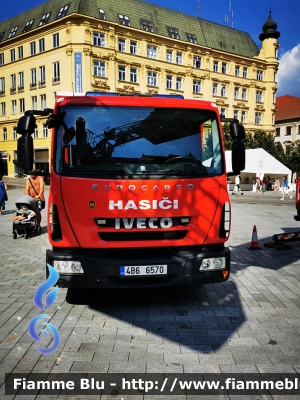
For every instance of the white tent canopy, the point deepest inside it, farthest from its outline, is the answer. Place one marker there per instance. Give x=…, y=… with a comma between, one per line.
x=260, y=163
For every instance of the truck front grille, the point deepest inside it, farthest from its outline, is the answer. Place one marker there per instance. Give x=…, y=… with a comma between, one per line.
x=138, y=236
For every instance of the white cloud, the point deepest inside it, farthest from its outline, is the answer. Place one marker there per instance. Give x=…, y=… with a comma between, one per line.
x=288, y=76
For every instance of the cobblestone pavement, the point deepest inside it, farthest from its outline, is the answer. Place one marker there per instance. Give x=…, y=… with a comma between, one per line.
x=249, y=324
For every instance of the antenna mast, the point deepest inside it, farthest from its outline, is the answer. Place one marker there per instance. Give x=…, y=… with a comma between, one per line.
x=229, y=17
x=198, y=9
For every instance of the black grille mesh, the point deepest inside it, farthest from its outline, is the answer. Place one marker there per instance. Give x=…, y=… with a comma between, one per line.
x=138, y=236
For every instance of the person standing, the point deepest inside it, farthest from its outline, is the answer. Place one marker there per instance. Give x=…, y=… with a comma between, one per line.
x=277, y=185
x=3, y=189
x=237, y=181
x=35, y=187
x=285, y=188
x=258, y=185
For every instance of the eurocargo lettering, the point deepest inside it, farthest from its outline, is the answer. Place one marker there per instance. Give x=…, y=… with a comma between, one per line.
x=138, y=189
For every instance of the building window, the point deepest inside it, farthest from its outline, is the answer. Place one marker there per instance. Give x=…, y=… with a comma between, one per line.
x=133, y=75
x=42, y=76
x=13, y=84
x=244, y=94
x=99, y=39
x=243, y=117
x=55, y=40
x=43, y=101
x=259, y=96
x=178, y=83
x=298, y=133
x=173, y=33
x=197, y=62
x=28, y=25
x=124, y=20
x=20, y=52
x=152, y=51
x=1, y=59
x=102, y=14
x=152, y=78
x=21, y=81
x=236, y=114
x=133, y=47
x=122, y=71
x=33, y=78
x=224, y=68
x=35, y=133
x=258, y=118
x=288, y=130
x=32, y=48
x=216, y=66
x=259, y=75
x=14, y=107
x=191, y=38
x=169, y=56
x=2, y=86
x=12, y=55
x=99, y=68
x=62, y=12
x=223, y=112
x=34, y=102
x=277, y=132
x=236, y=93
x=215, y=89
x=223, y=90
x=179, y=58
x=245, y=72
x=146, y=25
x=121, y=45
x=13, y=32
x=4, y=134
x=169, y=82
x=14, y=133
x=3, y=109
x=196, y=86
x=45, y=131
x=22, y=105
x=1, y=35
x=237, y=70
x=56, y=72
x=44, y=19
x=41, y=45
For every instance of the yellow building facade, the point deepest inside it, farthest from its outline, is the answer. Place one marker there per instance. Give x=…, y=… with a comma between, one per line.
x=128, y=47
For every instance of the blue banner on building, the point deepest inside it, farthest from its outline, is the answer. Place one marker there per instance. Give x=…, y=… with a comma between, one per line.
x=78, y=72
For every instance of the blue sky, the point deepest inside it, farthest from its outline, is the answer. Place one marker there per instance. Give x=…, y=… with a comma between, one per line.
x=248, y=16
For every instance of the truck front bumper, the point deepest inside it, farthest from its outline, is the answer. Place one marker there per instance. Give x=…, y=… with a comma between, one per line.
x=102, y=268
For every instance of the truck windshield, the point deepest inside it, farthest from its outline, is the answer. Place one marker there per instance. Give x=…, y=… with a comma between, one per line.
x=137, y=142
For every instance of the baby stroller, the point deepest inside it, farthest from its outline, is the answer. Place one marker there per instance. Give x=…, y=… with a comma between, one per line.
x=24, y=220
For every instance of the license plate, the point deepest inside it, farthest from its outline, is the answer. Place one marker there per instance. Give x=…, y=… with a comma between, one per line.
x=143, y=270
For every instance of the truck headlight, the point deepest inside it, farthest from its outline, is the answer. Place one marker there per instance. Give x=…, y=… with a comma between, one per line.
x=217, y=263
x=68, y=267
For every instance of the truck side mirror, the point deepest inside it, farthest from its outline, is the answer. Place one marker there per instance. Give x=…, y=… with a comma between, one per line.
x=238, y=154
x=25, y=127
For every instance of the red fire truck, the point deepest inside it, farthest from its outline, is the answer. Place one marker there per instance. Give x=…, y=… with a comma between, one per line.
x=138, y=193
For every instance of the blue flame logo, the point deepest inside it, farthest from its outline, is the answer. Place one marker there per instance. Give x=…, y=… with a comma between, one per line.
x=38, y=302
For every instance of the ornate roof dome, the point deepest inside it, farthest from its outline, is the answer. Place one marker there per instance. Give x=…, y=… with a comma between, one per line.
x=269, y=29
